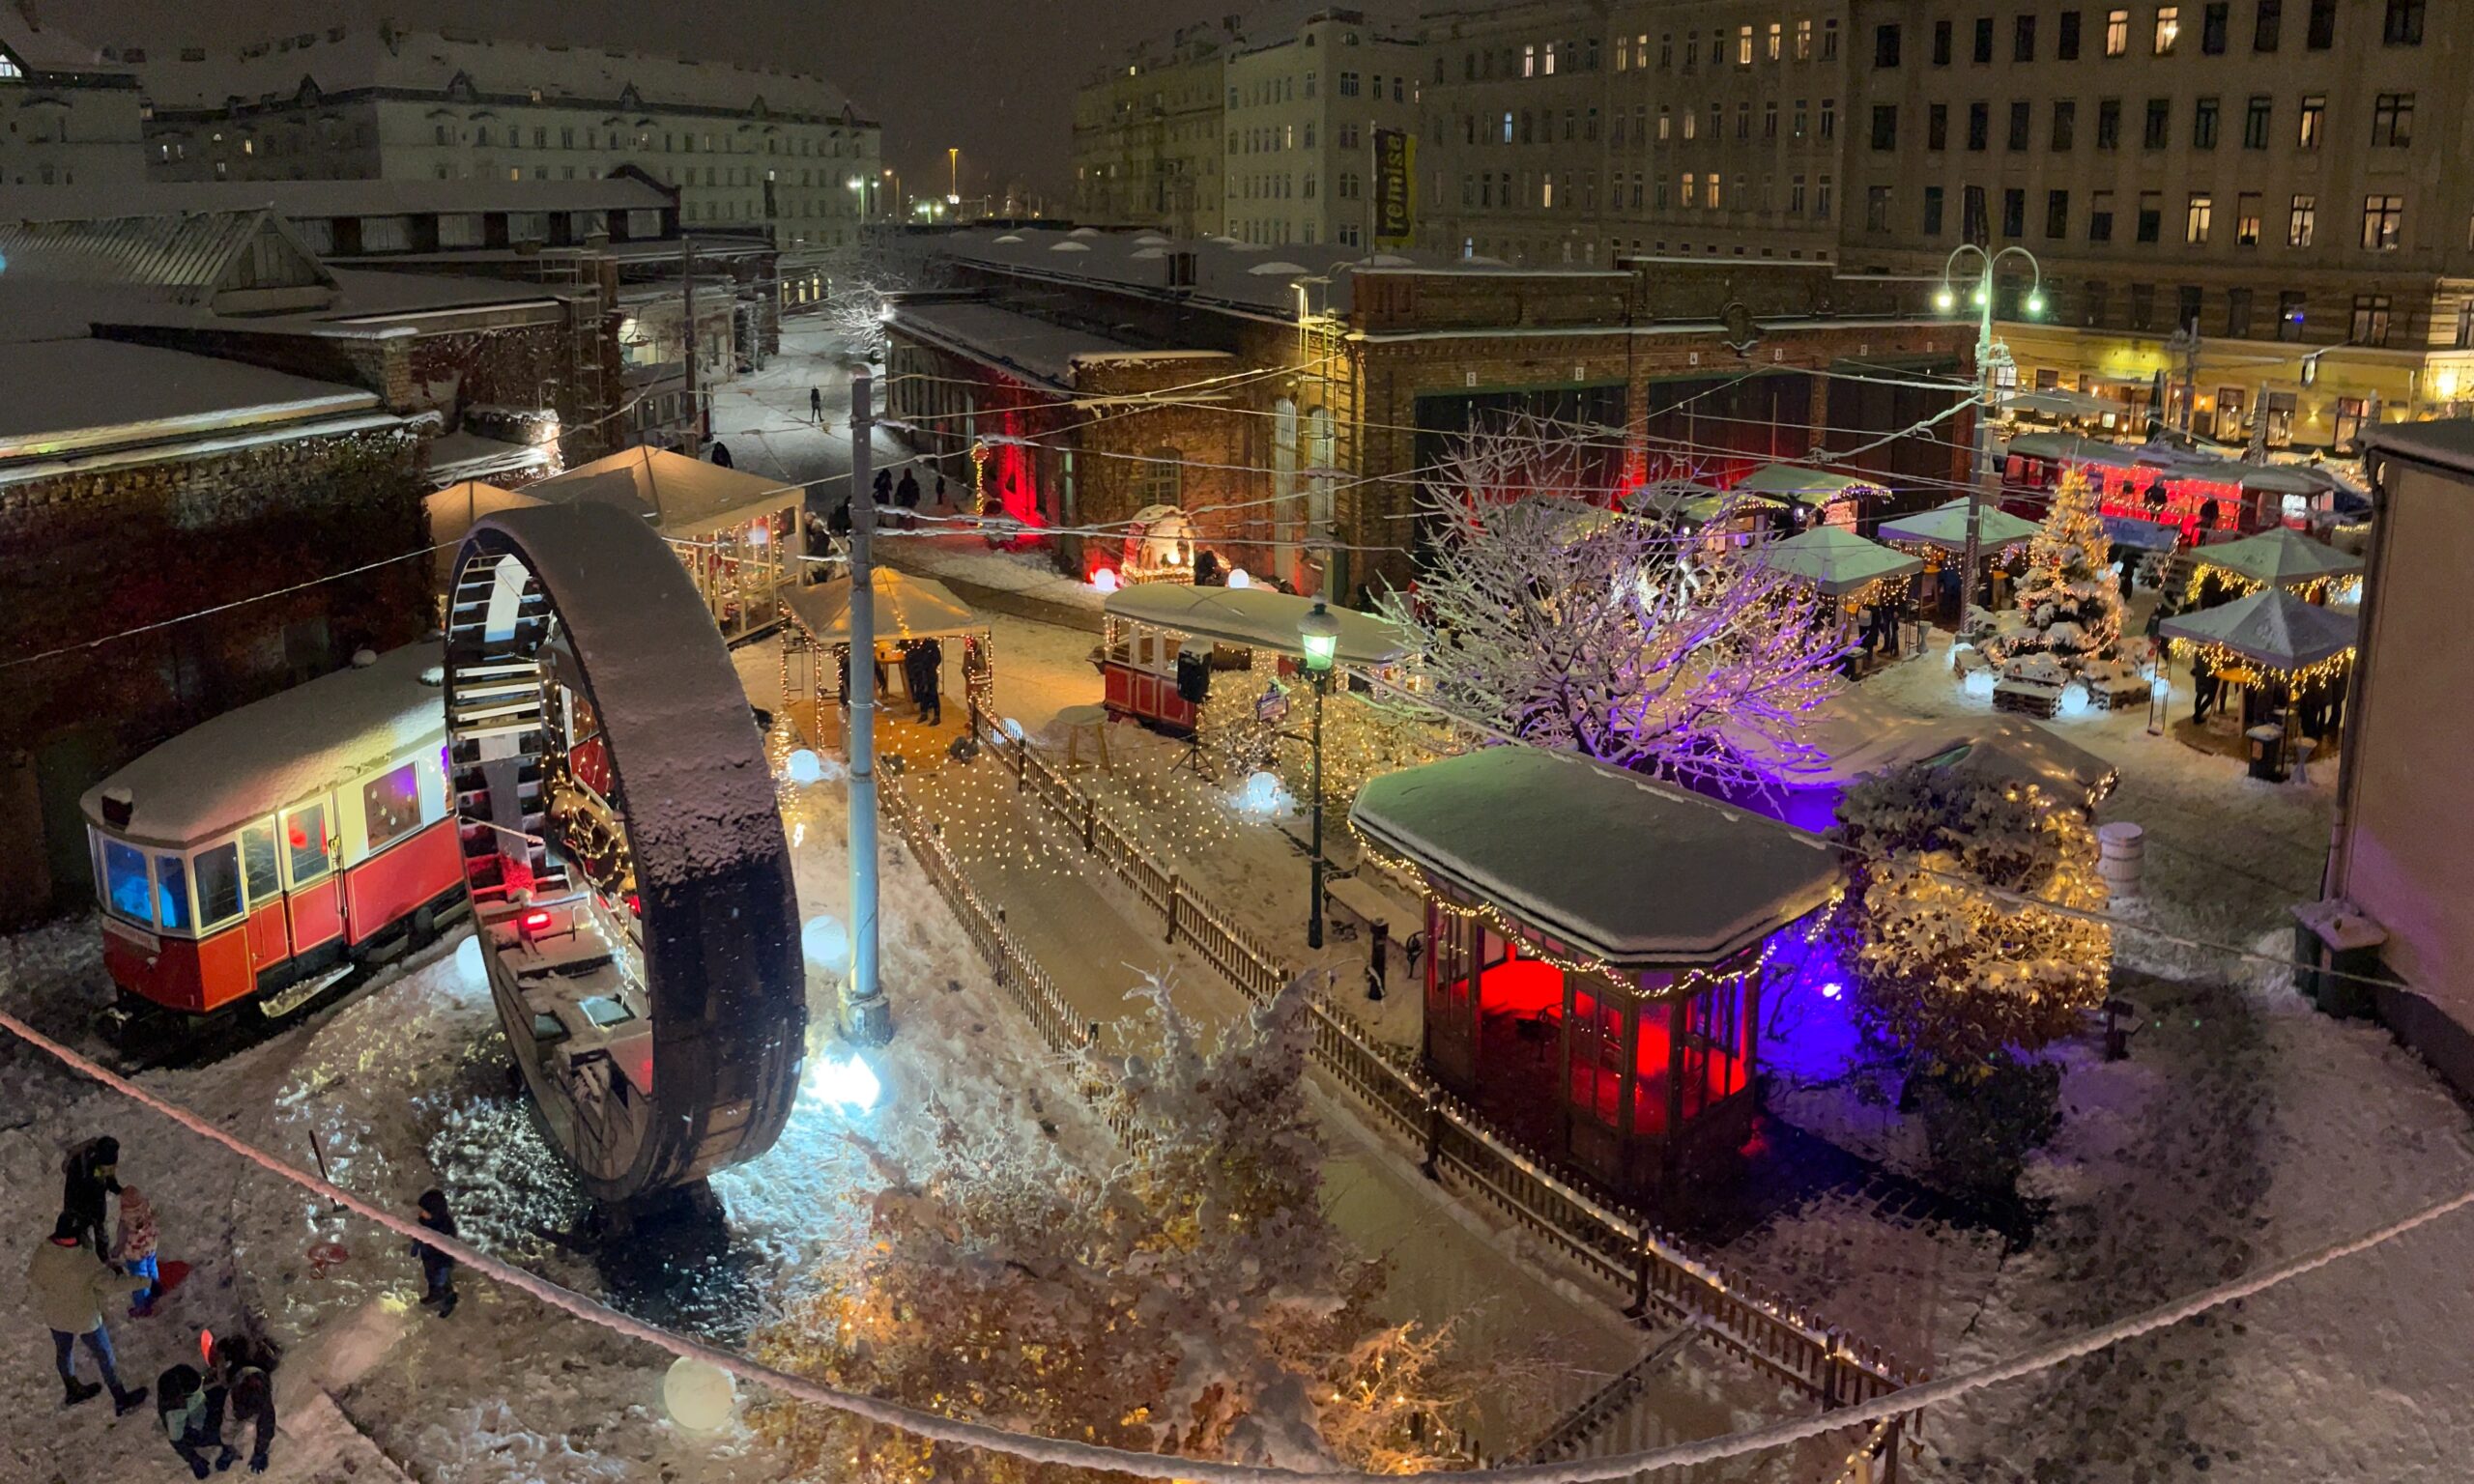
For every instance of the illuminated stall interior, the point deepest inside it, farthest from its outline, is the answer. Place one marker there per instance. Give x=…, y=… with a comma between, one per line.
x=736, y=533
x=909, y=611
x=1596, y=945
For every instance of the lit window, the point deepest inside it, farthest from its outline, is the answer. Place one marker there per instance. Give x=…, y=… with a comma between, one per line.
x=2117, y=33
x=125, y=888
x=2168, y=28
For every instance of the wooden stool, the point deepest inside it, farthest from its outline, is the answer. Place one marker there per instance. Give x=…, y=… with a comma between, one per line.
x=1077, y=719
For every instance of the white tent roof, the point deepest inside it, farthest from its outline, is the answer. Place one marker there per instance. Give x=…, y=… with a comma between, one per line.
x=906, y=607
x=682, y=496
x=1947, y=527
x=2279, y=557
x=1837, y=561
x=1803, y=484
x=1256, y=617
x=291, y=746
x=1855, y=735
x=2271, y=627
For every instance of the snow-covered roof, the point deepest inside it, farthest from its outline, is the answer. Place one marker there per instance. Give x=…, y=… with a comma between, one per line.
x=2448, y=443
x=1947, y=527
x=1837, y=560
x=1226, y=271
x=1803, y=484
x=325, y=199
x=41, y=47
x=1256, y=617
x=1855, y=733
x=681, y=496
x=2271, y=627
x=1006, y=340
x=906, y=607
x=1605, y=862
x=2071, y=448
x=459, y=508
x=293, y=746
x=2279, y=557
x=188, y=255
x=70, y=396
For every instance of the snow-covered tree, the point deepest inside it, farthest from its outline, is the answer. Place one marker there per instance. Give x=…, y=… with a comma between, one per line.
x=1192, y=1301
x=1952, y=971
x=2073, y=606
x=1621, y=633
x=859, y=285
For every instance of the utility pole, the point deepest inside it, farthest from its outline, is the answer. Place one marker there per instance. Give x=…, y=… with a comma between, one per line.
x=866, y=1018
x=687, y=285
x=1991, y=356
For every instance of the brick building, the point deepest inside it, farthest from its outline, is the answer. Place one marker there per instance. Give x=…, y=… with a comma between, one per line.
x=1296, y=397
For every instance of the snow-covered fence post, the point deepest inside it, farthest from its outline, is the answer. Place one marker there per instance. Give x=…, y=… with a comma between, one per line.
x=1642, y=1256
x=1428, y=1167
x=1176, y=896
x=1090, y=823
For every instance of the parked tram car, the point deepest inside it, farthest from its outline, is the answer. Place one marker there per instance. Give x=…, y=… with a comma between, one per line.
x=2199, y=498
x=256, y=858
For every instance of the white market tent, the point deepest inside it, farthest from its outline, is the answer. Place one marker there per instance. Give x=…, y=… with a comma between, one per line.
x=906, y=607
x=2271, y=628
x=1836, y=561
x=2279, y=558
x=684, y=498
x=1256, y=617
x=1804, y=485
x=456, y=509
x=1565, y=845
x=1946, y=528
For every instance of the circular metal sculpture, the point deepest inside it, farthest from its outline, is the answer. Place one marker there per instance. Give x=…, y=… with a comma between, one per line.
x=630, y=882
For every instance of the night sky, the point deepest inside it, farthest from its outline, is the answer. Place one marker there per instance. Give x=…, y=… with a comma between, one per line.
x=994, y=77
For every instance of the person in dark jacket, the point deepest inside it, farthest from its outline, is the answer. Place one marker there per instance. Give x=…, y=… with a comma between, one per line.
x=839, y=521
x=906, y=493
x=437, y=1269
x=721, y=455
x=88, y=1176
x=191, y=1409
x=884, y=486
x=941, y=502
x=923, y=667
x=246, y=1370
x=815, y=405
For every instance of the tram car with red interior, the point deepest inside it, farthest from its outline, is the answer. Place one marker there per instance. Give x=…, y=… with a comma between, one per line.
x=2197, y=498
x=257, y=858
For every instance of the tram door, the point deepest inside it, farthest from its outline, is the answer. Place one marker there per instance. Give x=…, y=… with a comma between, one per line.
x=314, y=890
x=262, y=877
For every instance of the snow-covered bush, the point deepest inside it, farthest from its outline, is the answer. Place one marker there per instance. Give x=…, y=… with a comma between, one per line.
x=1948, y=923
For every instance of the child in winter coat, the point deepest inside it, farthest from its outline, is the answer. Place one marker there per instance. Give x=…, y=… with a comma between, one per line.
x=437, y=1269
x=133, y=1247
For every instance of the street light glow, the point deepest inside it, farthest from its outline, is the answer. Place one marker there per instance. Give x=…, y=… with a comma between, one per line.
x=1320, y=633
x=1944, y=301
x=2036, y=303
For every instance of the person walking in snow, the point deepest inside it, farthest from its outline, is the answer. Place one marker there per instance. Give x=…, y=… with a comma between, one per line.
x=906, y=496
x=191, y=1409
x=815, y=405
x=437, y=1269
x=923, y=669
x=245, y=1369
x=884, y=486
x=941, y=502
x=133, y=1247
x=89, y=1177
x=69, y=1289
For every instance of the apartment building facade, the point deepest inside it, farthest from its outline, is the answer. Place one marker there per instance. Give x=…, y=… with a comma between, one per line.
x=2282, y=183
x=65, y=117
x=748, y=149
x=1305, y=108
x=1147, y=147
x=1570, y=133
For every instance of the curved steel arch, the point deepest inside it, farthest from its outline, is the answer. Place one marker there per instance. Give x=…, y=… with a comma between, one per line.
x=623, y=846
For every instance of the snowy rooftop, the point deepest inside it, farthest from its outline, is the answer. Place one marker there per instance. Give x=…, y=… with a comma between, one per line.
x=1257, y=618
x=2271, y=626
x=1226, y=271
x=68, y=396
x=2278, y=556
x=1006, y=340
x=322, y=199
x=682, y=496
x=291, y=746
x=906, y=607
x=40, y=46
x=2448, y=443
x=1837, y=560
x=1605, y=861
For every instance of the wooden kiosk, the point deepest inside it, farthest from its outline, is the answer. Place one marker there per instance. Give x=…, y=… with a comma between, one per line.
x=1596, y=945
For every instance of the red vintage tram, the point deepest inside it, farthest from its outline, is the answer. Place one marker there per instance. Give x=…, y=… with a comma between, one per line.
x=259, y=856
x=2200, y=498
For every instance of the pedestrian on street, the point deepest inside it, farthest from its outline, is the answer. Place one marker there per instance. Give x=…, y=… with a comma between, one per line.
x=191, y=1409
x=88, y=1176
x=722, y=455
x=923, y=667
x=906, y=493
x=69, y=1290
x=134, y=1246
x=815, y=405
x=437, y=1269
x=941, y=502
x=245, y=1369
x=884, y=486
x=839, y=521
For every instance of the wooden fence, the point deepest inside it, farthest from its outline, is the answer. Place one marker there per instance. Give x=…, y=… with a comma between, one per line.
x=1628, y=1257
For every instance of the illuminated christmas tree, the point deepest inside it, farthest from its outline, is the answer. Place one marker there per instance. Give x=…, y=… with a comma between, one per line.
x=2074, y=610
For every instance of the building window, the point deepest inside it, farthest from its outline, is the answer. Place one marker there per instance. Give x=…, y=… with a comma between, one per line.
x=2383, y=220
x=2264, y=30
x=1821, y=188
x=1971, y=213
x=2199, y=217
x=1691, y=192
x=2466, y=324
x=2290, y=316
x=2160, y=123
x=2213, y=25
x=2100, y=216
x=2204, y=116
x=2186, y=315
x=2022, y=38
x=2092, y=303
x=2321, y=32
x=1884, y=126
x=2351, y=414
x=1885, y=47
x=2404, y=25
x=1979, y=121
x=1744, y=47
x=2314, y=120
x=2246, y=219
x=1829, y=116
x=2237, y=314
x=1876, y=208
x=1829, y=41
x=2392, y=120
x=2065, y=124
x=2014, y=212
x=2301, y=221
x=1983, y=39
x=1933, y=195
x=1769, y=120
x=2371, y=313
x=2057, y=215
x=2255, y=122
x=2169, y=29
x=2151, y=215
x=2117, y=33
x=2065, y=39
x=2018, y=126
x=1803, y=41
x=1936, y=126
x=2143, y=307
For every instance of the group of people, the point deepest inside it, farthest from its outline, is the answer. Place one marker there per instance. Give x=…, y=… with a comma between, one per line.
x=77, y=1275
x=906, y=493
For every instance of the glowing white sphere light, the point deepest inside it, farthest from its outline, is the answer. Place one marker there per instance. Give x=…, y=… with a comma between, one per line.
x=804, y=767
x=824, y=942
x=700, y=1396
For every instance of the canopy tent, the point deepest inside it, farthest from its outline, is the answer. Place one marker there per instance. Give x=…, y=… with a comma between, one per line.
x=1255, y=618
x=906, y=607
x=1699, y=504
x=1804, y=485
x=684, y=498
x=2271, y=628
x=455, y=510
x=1837, y=561
x=2059, y=402
x=1946, y=528
x=1560, y=843
x=2279, y=558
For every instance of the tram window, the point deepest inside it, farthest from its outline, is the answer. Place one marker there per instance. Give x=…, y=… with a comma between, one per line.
x=391, y=805
x=305, y=839
x=258, y=858
x=218, y=885
x=125, y=884
x=172, y=891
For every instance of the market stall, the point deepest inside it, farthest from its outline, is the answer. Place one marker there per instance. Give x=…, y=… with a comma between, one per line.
x=924, y=635
x=736, y=533
x=1157, y=644
x=1941, y=532
x=2286, y=657
x=1612, y=1024
x=2273, y=558
x=1817, y=493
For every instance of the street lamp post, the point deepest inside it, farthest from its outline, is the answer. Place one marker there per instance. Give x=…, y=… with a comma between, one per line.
x=1319, y=634
x=1990, y=356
